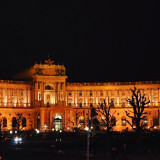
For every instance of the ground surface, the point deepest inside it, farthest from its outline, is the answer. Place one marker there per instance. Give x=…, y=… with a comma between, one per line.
x=73, y=148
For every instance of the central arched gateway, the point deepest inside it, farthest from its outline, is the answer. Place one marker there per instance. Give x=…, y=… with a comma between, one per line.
x=57, y=122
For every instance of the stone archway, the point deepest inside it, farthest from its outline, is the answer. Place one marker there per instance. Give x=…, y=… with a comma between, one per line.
x=57, y=122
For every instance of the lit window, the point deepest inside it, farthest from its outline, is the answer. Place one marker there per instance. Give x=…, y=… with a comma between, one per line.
x=123, y=121
x=80, y=104
x=145, y=122
x=155, y=122
x=101, y=93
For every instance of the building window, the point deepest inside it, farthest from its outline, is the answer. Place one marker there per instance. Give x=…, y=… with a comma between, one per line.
x=80, y=94
x=123, y=104
x=23, y=122
x=144, y=122
x=113, y=121
x=133, y=122
x=112, y=100
x=80, y=104
x=70, y=104
x=48, y=104
x=101, y=93
x=38, y=85
x=48, y=87
x=70, y=93
x=4, y=122
x=14, y=122
x=57, y=122
x=123, y=121
x=81, y=120
x=91, y=94
x=91, y=104
x=155, y=122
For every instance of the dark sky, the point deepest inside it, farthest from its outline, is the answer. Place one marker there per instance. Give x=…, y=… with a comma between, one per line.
x=96, y=41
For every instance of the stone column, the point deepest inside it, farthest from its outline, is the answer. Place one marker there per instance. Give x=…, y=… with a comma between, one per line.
x=17, y=97
x=2, y=103
x=152, y=98
x=84, y=97
x=26, y=97
x=158, y=97
x=42, y=120
x=11, y=98
x=42, y=94
x=7, y=97
x=51, y=119
x=20, y=92
x=77, y=98
x=36, y=94
x=120, y=93
x=74, y=98
x=94, y=98
x=64, y=92
x=88, y=95
x=115, y=98
x=58, y=91
x=98, y=96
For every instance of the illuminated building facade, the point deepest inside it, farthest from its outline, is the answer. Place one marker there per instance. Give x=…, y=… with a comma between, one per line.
x=47, y=102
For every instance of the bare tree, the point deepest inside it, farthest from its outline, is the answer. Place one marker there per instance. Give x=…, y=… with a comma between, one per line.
x=74, y=122
x=1, y=123
x=138, y=103
x=106, y=117
x=19, y=121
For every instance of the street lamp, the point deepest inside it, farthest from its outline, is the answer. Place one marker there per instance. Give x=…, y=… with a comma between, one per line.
x=45, y=127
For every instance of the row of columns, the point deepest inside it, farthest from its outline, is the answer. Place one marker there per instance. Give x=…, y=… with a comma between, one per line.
x=9, y=99
x=59, y=92
x=117, y=95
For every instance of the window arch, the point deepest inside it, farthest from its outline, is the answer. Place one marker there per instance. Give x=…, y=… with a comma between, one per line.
x=80, y=102
x=113, y=121
x=24, y=122
x=57, y=122
x=4, y=122
x=91, y=102
x=81, y=120
x=48, y=87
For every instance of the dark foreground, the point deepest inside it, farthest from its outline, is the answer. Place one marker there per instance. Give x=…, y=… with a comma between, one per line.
x=71, y=146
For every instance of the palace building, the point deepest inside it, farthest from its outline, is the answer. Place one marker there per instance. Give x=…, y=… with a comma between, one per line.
x=47, y=102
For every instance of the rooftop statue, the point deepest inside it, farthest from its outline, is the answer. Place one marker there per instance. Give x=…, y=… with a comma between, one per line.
x=49, y=61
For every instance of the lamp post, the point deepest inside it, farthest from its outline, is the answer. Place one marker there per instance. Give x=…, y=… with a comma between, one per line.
x=45, y=127
x=88, y=137
x=0, y=122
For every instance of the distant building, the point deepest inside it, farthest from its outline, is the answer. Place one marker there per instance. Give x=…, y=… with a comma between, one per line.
x=47, y=102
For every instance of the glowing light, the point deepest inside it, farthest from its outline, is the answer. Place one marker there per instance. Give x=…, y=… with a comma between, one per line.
x=15, y=131
x=37, y=131
x=45, y=126
x=155, y=127
x=17, y=139
x=60, y=131
x=86, y=128
x=11, y=132
x=52, y=129
x=68, y=128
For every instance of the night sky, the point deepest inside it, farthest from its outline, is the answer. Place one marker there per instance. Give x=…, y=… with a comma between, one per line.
x=96, y=41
